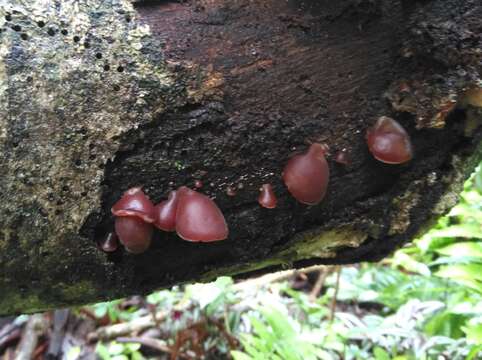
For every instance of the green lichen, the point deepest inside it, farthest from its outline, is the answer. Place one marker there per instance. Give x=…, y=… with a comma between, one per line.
x=12, y=302
x=312, y=244
x=78, y=290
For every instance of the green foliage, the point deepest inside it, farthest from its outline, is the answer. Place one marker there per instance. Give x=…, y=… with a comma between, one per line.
x=117, y=351
x=275, y=337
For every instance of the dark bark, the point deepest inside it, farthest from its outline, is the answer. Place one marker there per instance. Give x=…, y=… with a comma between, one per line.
x=252, y=83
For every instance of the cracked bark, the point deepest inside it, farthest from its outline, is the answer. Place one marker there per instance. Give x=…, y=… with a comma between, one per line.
x=224, y=92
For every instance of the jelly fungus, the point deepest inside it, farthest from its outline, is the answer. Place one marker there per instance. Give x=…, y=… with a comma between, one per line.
x=109, y=243
x=165, y=213
x=198, y=184
x=134, y=214
x=134, y=233
x=267, y=197
x=389, y=142
x=230, y=191
x=342, y=157
x=306, y=175
x=198, y=218
x=135, y=203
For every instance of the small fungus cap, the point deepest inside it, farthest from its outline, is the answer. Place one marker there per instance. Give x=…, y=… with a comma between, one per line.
x=198, y=218
x=134, y=233
x=135, y=203
x=307, y=175
x=389, y=142
x=165, y=212
x=267, y=197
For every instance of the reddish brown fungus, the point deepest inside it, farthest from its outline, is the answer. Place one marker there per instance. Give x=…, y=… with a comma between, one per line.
x=342, y=157
x=134, y=233
x=389, y=142
x=230, y=191
x=109, y=243
x=165, y=213
x=198, y=184
x=267, y=197
x=135, y=203
x=306, y=175
x=134, y=214
x=198, y=218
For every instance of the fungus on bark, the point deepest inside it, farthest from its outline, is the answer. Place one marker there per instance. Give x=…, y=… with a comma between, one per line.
x=109, y=243
x=307, y=175
x=389, y=142
x=342, y=157
x=267, y=197
x=231, y=191
x=134, y=214
x=165, y=213
x=198, y=218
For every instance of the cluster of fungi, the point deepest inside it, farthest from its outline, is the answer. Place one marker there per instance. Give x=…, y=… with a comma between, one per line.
x=196, y=217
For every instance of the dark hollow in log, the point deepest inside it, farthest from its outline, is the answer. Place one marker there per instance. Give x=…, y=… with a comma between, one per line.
x=258, y=82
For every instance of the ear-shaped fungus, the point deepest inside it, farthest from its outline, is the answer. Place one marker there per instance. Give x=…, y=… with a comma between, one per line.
x=198, y=218
x=134, y=214
x=165, y=213
x=389, y=142
x=306, y=175
x=267, y=197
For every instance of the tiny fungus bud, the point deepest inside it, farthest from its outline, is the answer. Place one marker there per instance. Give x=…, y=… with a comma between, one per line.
x=198, y=184
x=165, y=213
x=230, y=191
x=306, y=175
x=198, y=218
x=109, y=243
x=389, y=142
x=342, y=157
x=267, y=197
x=134, y=214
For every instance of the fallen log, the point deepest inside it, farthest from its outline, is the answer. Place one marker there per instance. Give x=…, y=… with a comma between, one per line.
x=100, y=96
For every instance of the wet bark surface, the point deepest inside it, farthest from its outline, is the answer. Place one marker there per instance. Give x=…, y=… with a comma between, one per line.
x=258, y=82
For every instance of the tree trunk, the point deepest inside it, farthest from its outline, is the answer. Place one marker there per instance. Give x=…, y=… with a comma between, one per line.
x=98, y=96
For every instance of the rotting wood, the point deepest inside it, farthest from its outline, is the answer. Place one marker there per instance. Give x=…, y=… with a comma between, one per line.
x=98, y=97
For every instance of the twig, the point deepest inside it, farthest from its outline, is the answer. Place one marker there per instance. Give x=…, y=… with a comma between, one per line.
x=9, y=354
x=274, y=277
x=10, y=337
x=233, y=342
x=40, y=350
x=36, y=327
x=60, y=320
x=151, y=343
x=315, y=292
x=134, y=326
x=333, y=300
x=11, y=331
